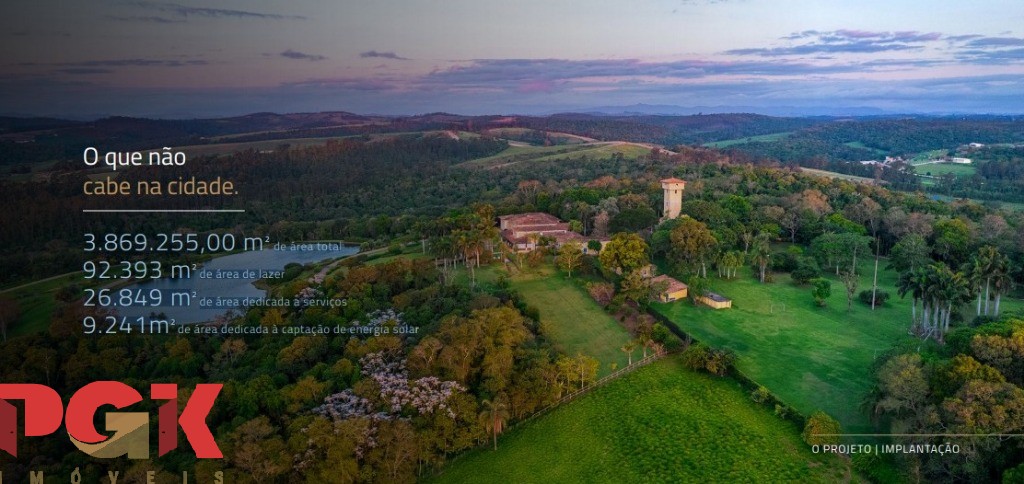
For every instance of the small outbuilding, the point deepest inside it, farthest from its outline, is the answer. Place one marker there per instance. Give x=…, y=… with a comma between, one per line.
x=673, y=289
x=715, y=300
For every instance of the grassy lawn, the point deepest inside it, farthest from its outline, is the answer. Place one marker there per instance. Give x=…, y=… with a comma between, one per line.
x=559, y=138
x=859, y=144
x=627, y=150
x=520, y=154
x=832, y=174
x=929, y=155
x=569, y=317
x=813, y=358
x=737, y=141
x=937, y=169
x=662, y=423
x=517, y=154
x=37, y=302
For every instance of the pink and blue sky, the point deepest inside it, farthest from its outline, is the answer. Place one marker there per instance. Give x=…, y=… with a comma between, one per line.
x=187, y=59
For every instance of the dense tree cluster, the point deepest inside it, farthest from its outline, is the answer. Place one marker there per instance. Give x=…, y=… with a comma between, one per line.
x=379, y=408
x=973, y=385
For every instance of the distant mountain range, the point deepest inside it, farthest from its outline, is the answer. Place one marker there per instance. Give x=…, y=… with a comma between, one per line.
x=787, y=111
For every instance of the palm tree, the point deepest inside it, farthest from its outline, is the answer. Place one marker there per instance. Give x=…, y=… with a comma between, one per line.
x=643, y=340
x=983, y=267
x=629, y=348
x=910, y=282
x=762, y=253
x=930, y=288
x=942, y=291
x=443, y=247
x=955, y=289
x=975, y=271
x=493, y=417
x=747, y=237
x=1002, y=281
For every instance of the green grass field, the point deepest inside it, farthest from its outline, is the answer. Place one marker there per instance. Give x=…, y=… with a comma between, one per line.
x=533, y=154
x=662, y=423
x=929, y=155
x=37, y=302
x=515, y=154
x=859, y=144
x=832, y=174
x=737, y=141
x=556, y=137
x=812, y=358
x=937, y=169
x=569, y=317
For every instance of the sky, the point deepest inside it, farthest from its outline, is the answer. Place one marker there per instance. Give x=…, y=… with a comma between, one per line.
x=183, y=59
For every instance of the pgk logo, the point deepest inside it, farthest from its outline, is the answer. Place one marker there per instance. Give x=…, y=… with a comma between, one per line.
x=44, y=413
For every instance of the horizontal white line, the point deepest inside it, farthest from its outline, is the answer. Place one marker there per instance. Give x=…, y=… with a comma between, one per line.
x=90, y=210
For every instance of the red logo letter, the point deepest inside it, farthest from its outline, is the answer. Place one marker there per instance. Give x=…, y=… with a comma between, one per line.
x=43, y=413
x=192, y=420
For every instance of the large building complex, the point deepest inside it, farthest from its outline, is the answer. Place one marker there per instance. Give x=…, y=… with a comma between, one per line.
x=524, y=231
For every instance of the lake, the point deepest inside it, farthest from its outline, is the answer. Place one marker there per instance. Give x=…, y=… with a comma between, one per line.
x=255, y=261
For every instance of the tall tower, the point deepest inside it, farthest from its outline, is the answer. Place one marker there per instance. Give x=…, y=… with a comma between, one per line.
x=673, y=197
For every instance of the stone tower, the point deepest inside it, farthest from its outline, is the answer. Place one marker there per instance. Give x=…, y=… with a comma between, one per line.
x=673, y=197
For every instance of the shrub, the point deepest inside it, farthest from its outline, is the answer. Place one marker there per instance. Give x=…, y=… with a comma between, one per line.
x=594, y=246
x=1014, y=475
x=660, y=333
x=395, y=249
x=714, y=361
x=880, y=297
x=806, y=270
x=785, y=261
x=602, y=292
x=720, y=362
x=664, y=336
x=781, y=411
x=818, y=425
x=821, y=291
x=760, y=395
x=695, y=356
x=588, y=266
x=535, y=258
x=291, y=271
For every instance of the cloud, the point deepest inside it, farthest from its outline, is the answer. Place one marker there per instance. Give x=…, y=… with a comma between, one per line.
x=1000, y=56
x=294, y=54
x=344, y=84
x=996, y=42
x=382, y=55
x=85, y=70
x=961, y=38
x=529, y=74
x=806, y=49
x=135, y=62
x=152, y=19
x=810, y=42
x=39, y=33
x=189, y=11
